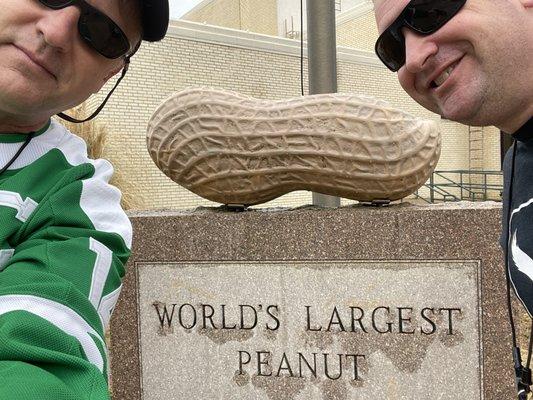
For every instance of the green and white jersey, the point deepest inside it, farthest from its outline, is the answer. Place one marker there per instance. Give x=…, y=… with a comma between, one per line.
x=64, y=240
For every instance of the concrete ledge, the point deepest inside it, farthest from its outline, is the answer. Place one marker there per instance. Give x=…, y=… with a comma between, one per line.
x=253, y=41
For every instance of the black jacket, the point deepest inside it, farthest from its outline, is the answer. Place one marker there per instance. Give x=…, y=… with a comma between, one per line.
x=517, y=236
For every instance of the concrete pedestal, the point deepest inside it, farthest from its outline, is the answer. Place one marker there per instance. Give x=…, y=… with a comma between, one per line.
x=401, y=302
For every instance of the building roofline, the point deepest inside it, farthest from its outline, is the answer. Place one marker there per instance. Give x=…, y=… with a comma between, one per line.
x=357, y=11
x=200, y=32
x=198, y=7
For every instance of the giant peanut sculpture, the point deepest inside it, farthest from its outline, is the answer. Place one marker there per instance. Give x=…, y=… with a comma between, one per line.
x=234, y=149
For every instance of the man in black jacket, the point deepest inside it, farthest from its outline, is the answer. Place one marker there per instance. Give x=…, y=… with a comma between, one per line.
x=471, y=61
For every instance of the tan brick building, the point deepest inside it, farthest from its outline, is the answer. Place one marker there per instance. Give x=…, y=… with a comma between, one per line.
x=259, y=16
x=263, y=66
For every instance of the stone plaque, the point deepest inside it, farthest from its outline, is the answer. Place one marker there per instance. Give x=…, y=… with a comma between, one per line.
x=310, y=330
x=403, y=302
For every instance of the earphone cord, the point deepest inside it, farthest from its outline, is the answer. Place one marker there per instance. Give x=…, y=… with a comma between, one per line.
x=26, y=142
x=530, y=346
x=100, y=108
x=522, y=374
x=507, y=273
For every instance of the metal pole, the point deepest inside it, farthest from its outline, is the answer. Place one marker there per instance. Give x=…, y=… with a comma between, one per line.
x=322, y=58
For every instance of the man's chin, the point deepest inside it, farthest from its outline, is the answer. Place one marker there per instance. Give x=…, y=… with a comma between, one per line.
x=33, y=107
x=466, y=111
x=462, y=116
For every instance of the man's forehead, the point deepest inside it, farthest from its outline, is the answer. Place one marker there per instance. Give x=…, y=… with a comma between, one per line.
x=387, y=11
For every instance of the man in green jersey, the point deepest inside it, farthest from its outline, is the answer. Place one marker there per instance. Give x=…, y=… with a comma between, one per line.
x=64, y=239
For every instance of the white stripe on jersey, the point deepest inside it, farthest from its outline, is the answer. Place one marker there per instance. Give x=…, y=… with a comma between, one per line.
x=102, y=265
x=107, y=305
x=5, y=256
x=62, y=317
x=99, y=200
x=14, y=200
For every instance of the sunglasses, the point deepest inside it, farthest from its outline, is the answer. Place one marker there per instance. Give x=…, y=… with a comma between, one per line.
x=95, y=28
x=422, y=16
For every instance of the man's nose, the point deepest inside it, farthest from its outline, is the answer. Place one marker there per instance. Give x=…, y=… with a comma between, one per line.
x=59, y=28
x=418, y=50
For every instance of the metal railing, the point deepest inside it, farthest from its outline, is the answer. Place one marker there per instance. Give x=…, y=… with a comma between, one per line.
x=457, y=185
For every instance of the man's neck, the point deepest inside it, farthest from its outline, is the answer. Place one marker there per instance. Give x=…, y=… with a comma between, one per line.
x=512, y=125
x=10, y=125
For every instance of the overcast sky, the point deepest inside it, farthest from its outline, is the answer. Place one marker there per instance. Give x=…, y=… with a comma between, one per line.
x=180, y=7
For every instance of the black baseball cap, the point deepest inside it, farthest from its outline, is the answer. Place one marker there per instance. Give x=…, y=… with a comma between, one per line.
x=155, y=19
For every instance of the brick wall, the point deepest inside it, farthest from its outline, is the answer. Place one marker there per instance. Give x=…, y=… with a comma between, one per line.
x=258, y=16
x=224, y=13
x=360, y=32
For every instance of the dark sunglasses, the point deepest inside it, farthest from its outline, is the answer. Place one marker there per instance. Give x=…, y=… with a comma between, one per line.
x=96, y=29
x=422, y=16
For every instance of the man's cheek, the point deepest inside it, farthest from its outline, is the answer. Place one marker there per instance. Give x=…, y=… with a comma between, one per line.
x=407, y=82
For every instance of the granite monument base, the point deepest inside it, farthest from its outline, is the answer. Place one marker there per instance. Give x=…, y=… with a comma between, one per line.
x=400, y=302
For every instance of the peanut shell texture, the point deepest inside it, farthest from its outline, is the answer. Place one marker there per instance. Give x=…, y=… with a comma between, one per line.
x=234, y=149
